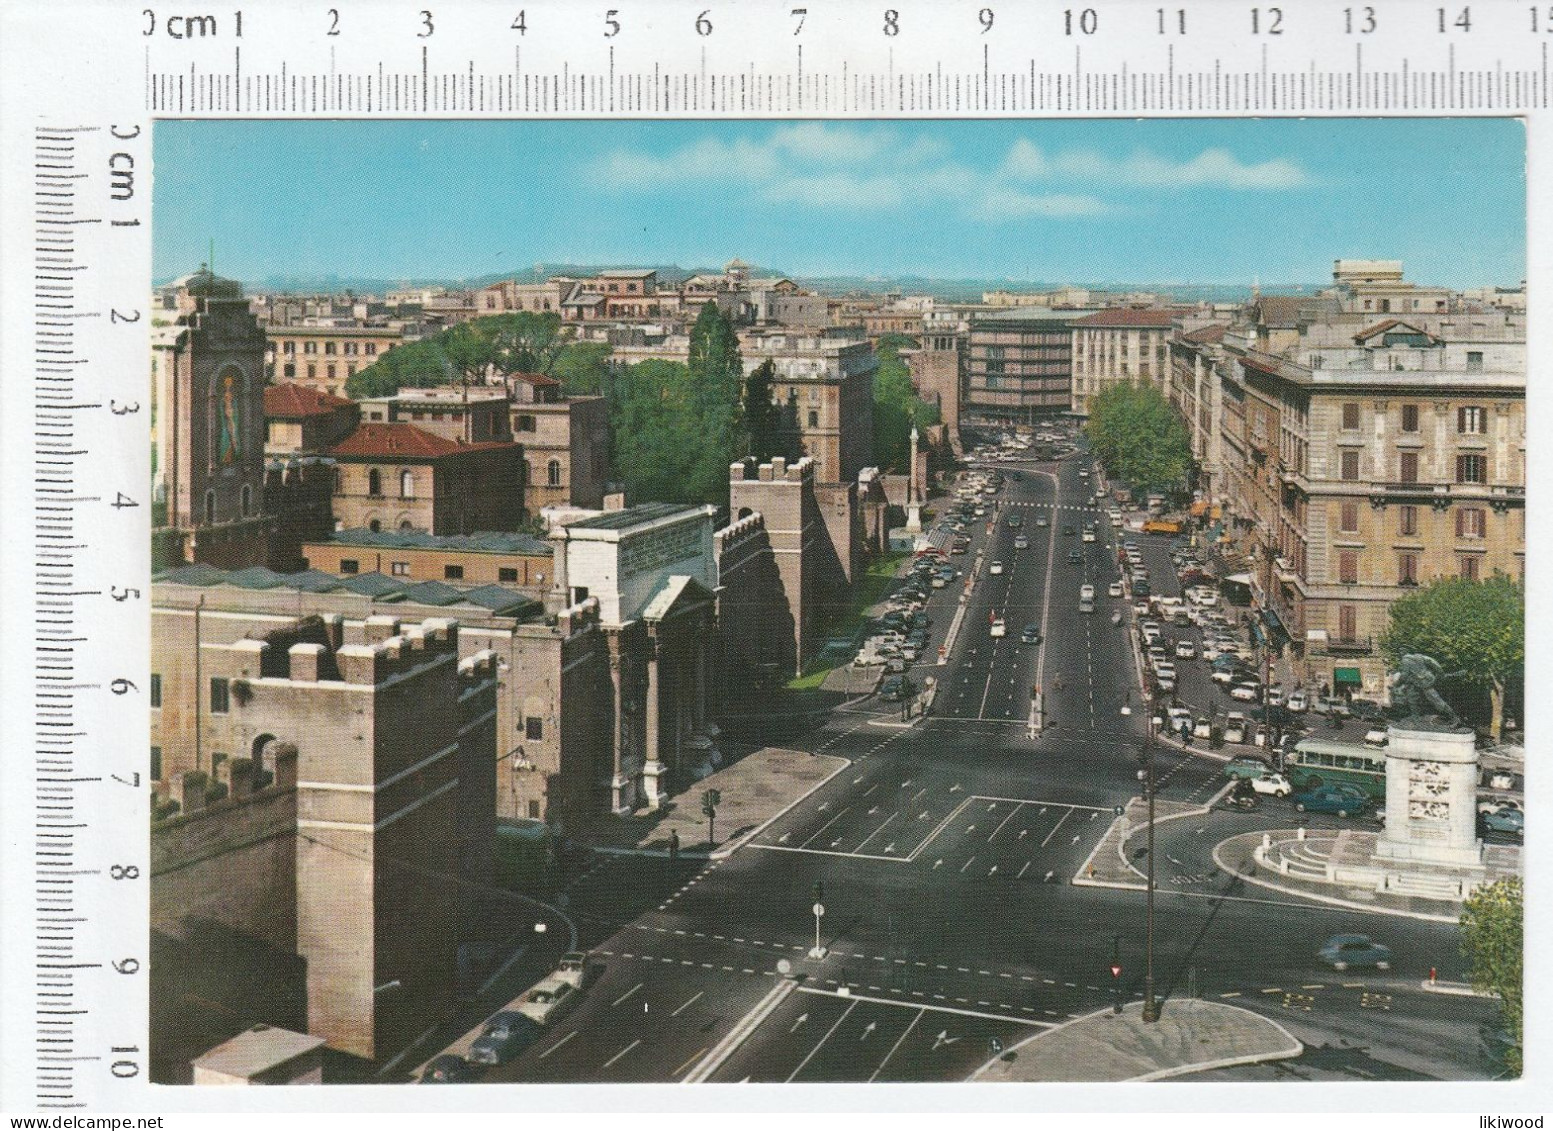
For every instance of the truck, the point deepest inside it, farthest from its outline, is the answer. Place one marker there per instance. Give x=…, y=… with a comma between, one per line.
x=1162, y=526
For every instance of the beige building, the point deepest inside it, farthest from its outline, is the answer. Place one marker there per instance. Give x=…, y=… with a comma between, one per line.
x=324, y=357
x=827, y=387
x=517, y=561
x=1120, y=346
x=1019, y=363
x=565, y=442
x=1371, y=469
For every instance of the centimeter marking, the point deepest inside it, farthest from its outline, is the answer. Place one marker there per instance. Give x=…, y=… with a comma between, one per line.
x=60, y=815
x=1031, y=88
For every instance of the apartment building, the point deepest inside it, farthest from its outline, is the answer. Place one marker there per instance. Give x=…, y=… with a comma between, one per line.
x=1019, y=363
x=1125, y=345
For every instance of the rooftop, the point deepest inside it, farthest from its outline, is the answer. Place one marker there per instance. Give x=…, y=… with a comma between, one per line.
x=635, y=516
x=257, y=1050
x=292, y=401
x=497, y=600
x=480, y=542
x=1029, y=314
x=1205, y=334
x=404, y=441
x=1159, y=317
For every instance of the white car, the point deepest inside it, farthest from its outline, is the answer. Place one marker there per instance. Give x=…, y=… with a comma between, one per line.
x=1210, y=650
x=1186, y=650
x=1086, y=592
x=1246, y=692
x=1297, y=701
x=1270, y=783
x=995, y=569
x=1114, y=589
x=998, y=629
x=1164, y=670
x=548, y=1000
x=1088, y=535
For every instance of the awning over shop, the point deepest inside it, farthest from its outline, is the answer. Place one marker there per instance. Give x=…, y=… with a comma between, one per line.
x=1346, y=675
x=1238, y=579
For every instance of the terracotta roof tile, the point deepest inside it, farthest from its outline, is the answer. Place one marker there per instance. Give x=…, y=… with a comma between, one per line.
x=404, y=441
x=1122, y=316
x=1213, y=333
x=290, y=401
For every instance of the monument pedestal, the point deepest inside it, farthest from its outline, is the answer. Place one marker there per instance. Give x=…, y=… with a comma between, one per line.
x=1431, y=797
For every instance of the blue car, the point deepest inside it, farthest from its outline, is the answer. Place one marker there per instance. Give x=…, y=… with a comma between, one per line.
x=1505, y=820
x=1339, y=799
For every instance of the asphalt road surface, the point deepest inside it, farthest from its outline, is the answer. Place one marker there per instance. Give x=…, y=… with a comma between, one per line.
x=944, y=852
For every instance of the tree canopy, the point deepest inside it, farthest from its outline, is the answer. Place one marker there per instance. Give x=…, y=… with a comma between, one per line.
x=1138, y=437
x=1492, y=943
x=1475, y=627
x=768, y=435
x=521, y=342
x=896, y=404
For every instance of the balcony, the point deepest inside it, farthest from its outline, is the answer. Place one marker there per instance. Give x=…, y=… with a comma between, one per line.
x=1436, y=494
x=1357, y=646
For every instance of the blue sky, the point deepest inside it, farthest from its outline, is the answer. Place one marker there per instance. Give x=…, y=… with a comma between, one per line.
x=1082, y=201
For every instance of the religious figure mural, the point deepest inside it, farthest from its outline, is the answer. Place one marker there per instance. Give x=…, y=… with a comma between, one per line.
x=229, y=448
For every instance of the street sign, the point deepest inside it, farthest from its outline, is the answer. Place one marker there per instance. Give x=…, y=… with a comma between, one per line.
x=1116, y=969
x=819, y=909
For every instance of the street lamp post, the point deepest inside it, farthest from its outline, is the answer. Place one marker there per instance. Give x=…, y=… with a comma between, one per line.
x=1150, y=1006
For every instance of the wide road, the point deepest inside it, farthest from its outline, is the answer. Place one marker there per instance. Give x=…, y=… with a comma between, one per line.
x=944, y=854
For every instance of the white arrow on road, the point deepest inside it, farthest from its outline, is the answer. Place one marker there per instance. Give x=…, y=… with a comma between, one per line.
x=874, y=810
x=994, y=869
x=955, y=788
x=890, y=847
x=970, y=828
x=992, y=806
x=943, y=1038
x=824, y=805
x=1074, y=840
x=1043, y=809
x=783, y=838
x=802, y=1017
x=1022, y=834
x=937, y=862
x=1048, y=877
x=835, y=842
x=869, y=1028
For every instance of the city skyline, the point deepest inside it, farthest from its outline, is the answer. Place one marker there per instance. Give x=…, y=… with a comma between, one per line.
x=1187, y=202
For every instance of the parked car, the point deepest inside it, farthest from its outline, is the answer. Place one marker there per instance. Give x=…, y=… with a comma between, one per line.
x=1297, y=701
x=1377, y=736
x=1246, y=691
x=1504, y=820
x=1274, y=784
x=1185, y=650
x=1343, y=951
x=505, y=1036
x=894, y=689
x=1343, y=800
x=1246, y=766
x=1234, y=727
x=1330, y=705
x=1489, y=804
x=448, y=1069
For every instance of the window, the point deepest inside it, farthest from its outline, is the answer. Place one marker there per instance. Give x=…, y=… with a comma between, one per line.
x=453, y=572
x=1410, y=418
x=553, y=473
x=534, y=728
x=533, y=810
x=1471, y=468
x=210, y=508
x=1348, y=519
x=1471, y=522
x=1474, y=361
x=1348, y=567
x=1409, y=467
x=814, y=417
x=156, y=689
x=1468, y=566
x=220, y=695
x=1409, y=521
x=350, y=349
x=246, y=497
x=1471, y=420
x=329, y=371
x=350, y=369
x=350, y=565
x=399, y=569
x=156, y=763
x=406, y=484
x=375, y=525
x=1350, y=465
x=289, y=347
x=506, y=573
x=1407, y=569
x=526, y=423
x=310, y=347
x=329, y=349
x=290, y=370
x=1350, y=417
x=374, y=481
x=371, y=349
x=312, y=371
x=1347, y=623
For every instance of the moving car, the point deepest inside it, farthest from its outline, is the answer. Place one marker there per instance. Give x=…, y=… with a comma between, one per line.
x=1076, y=557
x=1343, y=951
x=995, y=569
x=1021, y=542
x=1246, y=766
x=1297, y=701
x=1246, y=692
x=1114, y=589
x=1086, y=592
x=998, y=628
x=1234, y=730
x=1030, y=635
x=894, y=689
x=1343, y=800
x=1068, y=531
x=1274, y=784
x=1089, y=534
x=1040, y=520
x=1015, y=521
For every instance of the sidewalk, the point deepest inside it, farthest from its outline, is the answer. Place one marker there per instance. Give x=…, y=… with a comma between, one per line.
x=755, y=790
x=1103, y=1047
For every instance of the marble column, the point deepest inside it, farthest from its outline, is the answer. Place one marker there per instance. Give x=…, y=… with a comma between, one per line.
x=653, y=769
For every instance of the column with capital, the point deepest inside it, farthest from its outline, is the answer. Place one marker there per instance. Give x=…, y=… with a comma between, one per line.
x=913, y=496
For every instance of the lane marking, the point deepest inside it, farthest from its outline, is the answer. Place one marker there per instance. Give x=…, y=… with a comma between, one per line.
x=856, y=997
x=629, y=992
x=622, y=1052
x=879, y=830
x=899, y=1041
x=693, y=1058
x=827, y=825
x=804, y=1062
x=1005, y=820
x=692, y=1001
x=1057, y=826
x=558, y=1044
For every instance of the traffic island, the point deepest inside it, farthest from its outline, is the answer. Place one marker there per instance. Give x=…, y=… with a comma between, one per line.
x=1111, y=863
x=1107, y=1047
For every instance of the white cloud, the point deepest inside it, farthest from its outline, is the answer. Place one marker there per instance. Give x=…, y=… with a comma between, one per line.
x=997, y=203
x=1212, y=168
